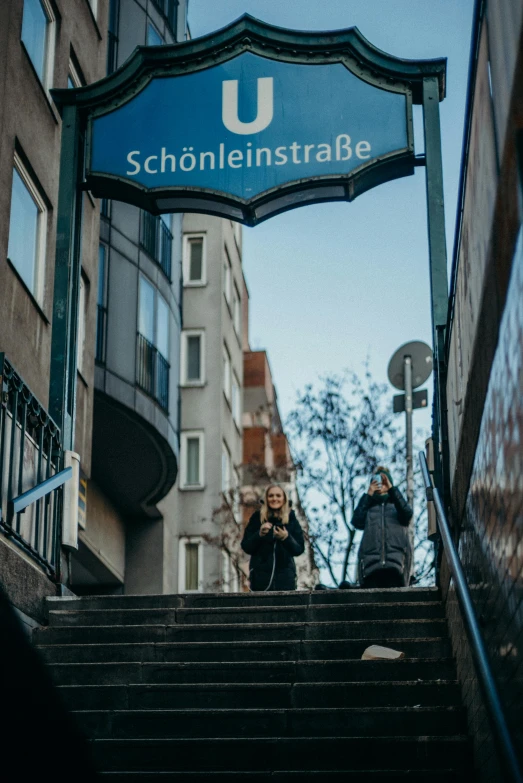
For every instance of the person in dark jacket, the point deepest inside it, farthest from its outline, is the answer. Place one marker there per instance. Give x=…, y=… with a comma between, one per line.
x=273, y=538
x=385, y=554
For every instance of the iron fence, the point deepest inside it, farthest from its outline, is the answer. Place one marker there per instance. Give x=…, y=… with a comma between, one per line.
x=30, y=453
x=152, y=372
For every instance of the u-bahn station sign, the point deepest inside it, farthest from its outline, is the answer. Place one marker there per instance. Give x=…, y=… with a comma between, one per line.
x=251, y=121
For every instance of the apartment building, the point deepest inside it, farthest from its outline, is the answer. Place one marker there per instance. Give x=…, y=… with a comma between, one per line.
x=205, y=502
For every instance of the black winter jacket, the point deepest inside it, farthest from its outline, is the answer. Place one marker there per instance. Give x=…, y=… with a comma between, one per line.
x=385, y=542
x=265, y=550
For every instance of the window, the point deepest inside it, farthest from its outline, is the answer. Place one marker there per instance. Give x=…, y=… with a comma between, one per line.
x=192, y=447
x=193, y=357
x=38, y=37
x=226, y=470
x=153, y=36
x=236, y=400
x=112, y=36
x=169, y=9
x=227, y=277
x=236, y=310
x=190, y=565
x=27, y=230
x=101, y=303
x=226, y=373
x=82, y=314
x=194, y=261
x=157, y=240
x=152, y=371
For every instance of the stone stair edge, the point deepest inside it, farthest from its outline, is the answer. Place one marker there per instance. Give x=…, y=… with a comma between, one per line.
x=256, y=608
x=265, y=710
x=271, y=685
x=413, y=620
x=250, y=644
x=299, y=661
x=226, y=596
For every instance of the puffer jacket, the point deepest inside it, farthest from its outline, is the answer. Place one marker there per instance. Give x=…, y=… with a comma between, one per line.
x=385, y=542
x=267, y=551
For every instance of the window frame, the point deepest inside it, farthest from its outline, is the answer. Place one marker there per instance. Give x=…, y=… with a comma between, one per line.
x=34, y=191
x=226, y=471
x=184, y=437
x=226, y=373
x=184, y=354
x=182, y=545
x=156, y=295
x=236, y=406
x=236, y=310
x=46, y=79
x=186, y=259
x=227, y=277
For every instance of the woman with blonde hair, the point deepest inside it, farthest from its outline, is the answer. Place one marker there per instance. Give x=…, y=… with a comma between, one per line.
x=273, y=538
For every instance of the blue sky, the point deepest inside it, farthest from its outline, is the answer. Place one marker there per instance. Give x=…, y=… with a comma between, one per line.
x=332, y=283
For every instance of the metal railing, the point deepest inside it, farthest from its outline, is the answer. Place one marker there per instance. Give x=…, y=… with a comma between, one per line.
x=152, y=371
x=157, y=241
x=487, y=683
x=30, y=457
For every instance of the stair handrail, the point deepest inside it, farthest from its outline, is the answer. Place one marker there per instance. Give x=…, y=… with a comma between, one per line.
x=489, y=688
x=19, y=504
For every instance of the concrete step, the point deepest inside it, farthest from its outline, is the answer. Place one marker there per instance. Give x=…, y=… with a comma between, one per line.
x=373, y=721
x=252, y=672
x=310, y=631
x=217, y=600
x=252, y=614
x=330, y=649
x=428, y=693
x=272, y=753
x=290, y=776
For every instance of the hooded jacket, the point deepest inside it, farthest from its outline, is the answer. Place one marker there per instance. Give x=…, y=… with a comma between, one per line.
x=267, y=551
x=385, y=542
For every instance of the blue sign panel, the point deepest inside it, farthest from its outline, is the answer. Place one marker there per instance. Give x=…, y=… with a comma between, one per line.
x=248, y=126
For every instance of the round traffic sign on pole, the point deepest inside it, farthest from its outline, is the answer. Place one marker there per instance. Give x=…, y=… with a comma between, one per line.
x=421, y=363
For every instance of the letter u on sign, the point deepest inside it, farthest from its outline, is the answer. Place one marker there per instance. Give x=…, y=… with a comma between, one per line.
x=264, y=111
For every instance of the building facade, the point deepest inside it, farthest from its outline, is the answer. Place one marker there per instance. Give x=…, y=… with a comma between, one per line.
x=485, y=371
x=205, y=500
x=128, y=320
x=126, y=544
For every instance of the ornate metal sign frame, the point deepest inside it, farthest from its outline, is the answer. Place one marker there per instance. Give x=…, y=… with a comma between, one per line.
x=421, y=81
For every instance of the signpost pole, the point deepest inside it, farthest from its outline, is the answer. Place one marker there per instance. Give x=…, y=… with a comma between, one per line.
x=407, y=374
x=62, y=386
x=438, y=275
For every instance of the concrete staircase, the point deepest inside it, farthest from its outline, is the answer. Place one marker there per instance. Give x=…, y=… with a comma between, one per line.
x=260, y=687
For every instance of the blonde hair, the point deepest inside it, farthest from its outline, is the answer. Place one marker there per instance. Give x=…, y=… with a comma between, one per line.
x=282, y=513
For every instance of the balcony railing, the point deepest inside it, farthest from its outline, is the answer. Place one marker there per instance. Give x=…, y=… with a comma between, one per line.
x=30, y=454
x=157, y=241
x=101, y=320
x=152, y=372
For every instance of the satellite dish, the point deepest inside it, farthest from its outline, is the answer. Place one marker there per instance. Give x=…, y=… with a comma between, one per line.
x=421, y=358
